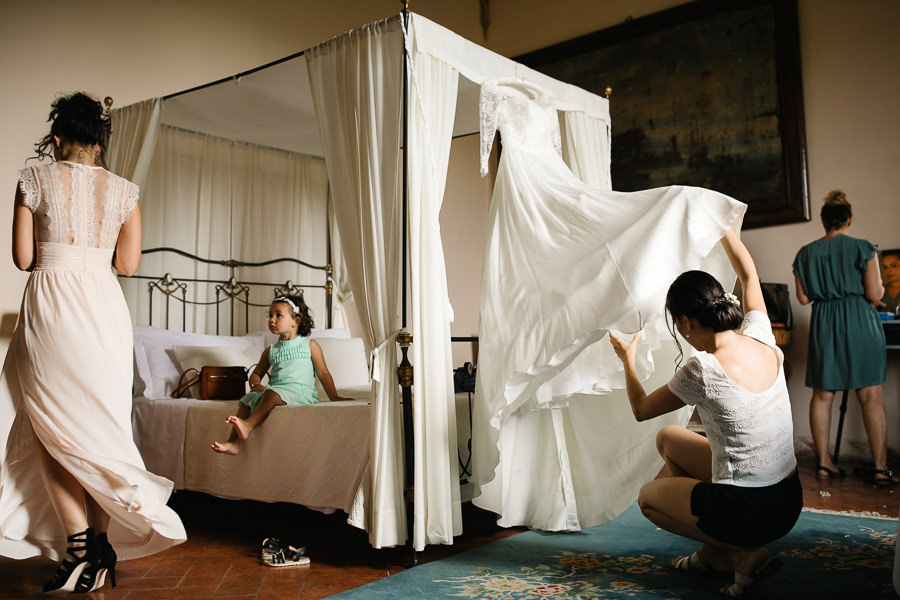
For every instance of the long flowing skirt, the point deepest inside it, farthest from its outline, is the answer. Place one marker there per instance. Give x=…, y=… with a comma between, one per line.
x=66, y=385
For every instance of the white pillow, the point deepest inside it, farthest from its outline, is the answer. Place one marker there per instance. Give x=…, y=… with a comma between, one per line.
x=156, y=367
x=346, y=361
x=337, y=332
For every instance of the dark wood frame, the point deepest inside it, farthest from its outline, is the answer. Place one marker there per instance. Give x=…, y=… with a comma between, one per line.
x=787, y=199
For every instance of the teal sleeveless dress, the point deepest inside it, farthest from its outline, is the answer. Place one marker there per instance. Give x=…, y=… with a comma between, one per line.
x=846, y=340
x=292, y=375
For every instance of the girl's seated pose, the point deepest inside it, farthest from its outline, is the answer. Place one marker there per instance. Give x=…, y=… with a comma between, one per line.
x=296, y=361
x=737, y=489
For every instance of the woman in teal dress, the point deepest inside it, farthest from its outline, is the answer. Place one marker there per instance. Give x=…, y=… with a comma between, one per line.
x=840, y=275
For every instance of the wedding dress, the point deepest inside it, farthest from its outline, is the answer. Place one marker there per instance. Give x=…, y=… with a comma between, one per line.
x=67, y=378
x=555, y=445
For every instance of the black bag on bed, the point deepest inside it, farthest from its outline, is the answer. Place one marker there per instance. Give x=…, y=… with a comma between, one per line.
x=216, y=383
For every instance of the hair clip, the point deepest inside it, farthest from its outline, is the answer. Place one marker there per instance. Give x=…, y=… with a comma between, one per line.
x=732, y=299
x=289, y=302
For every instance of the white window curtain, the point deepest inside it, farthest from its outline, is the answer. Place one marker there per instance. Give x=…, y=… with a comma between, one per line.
x=220, y=199
x=356, y=83
x=586, y=148
x=134, y=131
x=431, y=109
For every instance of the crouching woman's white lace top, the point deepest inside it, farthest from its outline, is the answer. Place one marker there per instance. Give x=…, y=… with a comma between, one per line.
x=751, y=434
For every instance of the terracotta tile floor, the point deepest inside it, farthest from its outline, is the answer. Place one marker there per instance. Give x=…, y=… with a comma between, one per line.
x=220, y=558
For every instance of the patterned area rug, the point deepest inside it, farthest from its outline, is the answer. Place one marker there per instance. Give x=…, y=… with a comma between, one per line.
x=825, y=556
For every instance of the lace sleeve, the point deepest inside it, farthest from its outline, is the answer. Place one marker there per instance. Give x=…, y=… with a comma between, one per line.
x=488, y=107
x=29, y=186
x=132, y=192
x=557, y=138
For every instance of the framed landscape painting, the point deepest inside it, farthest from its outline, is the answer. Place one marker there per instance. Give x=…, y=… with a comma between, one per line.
x=707, y=94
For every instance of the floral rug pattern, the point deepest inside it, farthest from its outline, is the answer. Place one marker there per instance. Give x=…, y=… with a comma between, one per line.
x=825, y=556
x=590, y=575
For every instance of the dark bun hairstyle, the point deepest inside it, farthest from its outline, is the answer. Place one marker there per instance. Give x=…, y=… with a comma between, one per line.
x=836, y=211
x=78, y=119
x=699, y=295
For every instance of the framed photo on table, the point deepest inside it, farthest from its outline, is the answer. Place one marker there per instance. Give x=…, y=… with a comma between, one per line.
x=707, y=93
x=889, y=261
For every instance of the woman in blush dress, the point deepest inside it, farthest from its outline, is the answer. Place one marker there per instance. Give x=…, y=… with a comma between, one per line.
x=72, y=482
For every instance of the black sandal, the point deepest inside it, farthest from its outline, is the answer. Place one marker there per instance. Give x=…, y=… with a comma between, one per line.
x=82, y=547
x=887, y=481
x=823, y=472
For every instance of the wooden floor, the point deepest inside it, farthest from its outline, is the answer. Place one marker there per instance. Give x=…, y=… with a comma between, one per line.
x=220, y=558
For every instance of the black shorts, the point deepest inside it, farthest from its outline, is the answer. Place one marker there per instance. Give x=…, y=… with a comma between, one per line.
x=747, y=516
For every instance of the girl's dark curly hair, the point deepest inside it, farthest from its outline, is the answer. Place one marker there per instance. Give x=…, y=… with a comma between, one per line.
x=77, y=118
x=699, y=295
x=836, y=211
x=306, y=320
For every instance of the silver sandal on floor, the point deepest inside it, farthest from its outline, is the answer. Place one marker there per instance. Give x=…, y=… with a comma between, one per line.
x=287, y=557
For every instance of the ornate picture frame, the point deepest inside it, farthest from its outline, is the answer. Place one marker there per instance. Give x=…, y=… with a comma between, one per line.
x=708, y=93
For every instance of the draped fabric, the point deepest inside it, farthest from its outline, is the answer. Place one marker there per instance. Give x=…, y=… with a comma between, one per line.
x=134, y=131
x=586, y=148
x=356, y=83
x=566, y=262
x=223, y=199
x=431, y=109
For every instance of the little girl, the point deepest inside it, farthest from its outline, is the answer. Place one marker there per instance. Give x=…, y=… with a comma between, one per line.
x=295, y=360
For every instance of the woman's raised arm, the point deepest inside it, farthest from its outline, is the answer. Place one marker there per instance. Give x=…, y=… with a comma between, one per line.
x=743, y=265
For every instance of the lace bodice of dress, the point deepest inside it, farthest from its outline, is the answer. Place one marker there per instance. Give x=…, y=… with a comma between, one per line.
x=524, y=114
x=77, y=205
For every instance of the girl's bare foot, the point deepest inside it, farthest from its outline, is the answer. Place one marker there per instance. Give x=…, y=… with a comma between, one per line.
x=226, y=447
x=240, y=426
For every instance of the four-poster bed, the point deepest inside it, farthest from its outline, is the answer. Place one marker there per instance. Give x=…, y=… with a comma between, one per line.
x=385, y=101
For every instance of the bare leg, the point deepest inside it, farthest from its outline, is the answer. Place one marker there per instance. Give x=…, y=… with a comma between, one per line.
x=244, y=425
x=233, y=445
x=667, y=503
x=96, y=516
x=689, y=460
x=820, y=425
x=686, y=453
x=871, y=400
x=65, y=493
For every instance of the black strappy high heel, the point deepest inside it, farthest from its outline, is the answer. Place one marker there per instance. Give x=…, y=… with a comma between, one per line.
x=106, y=564
x=81, y=555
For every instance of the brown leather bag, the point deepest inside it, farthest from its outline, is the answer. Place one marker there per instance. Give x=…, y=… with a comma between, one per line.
x=216, y=383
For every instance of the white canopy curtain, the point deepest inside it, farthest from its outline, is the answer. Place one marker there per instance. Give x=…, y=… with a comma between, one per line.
x=340, y=73
x=356, y=80
x=223, y=199
x=356, y=83
x=586, y=148
x=431, y=110
x=135, y=128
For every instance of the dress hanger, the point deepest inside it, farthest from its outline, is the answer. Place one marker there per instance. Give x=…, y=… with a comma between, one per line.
x=532, y=90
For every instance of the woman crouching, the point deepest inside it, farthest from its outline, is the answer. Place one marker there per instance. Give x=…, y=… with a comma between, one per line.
x=737, y=489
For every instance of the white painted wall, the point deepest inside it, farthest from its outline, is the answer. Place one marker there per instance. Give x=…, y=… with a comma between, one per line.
x=132, y=50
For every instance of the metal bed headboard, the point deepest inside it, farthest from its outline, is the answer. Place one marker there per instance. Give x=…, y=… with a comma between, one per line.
x=231, y=291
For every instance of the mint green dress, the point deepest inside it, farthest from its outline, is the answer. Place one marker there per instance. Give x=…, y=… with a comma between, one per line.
x=846, y=340
x=292, y=375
